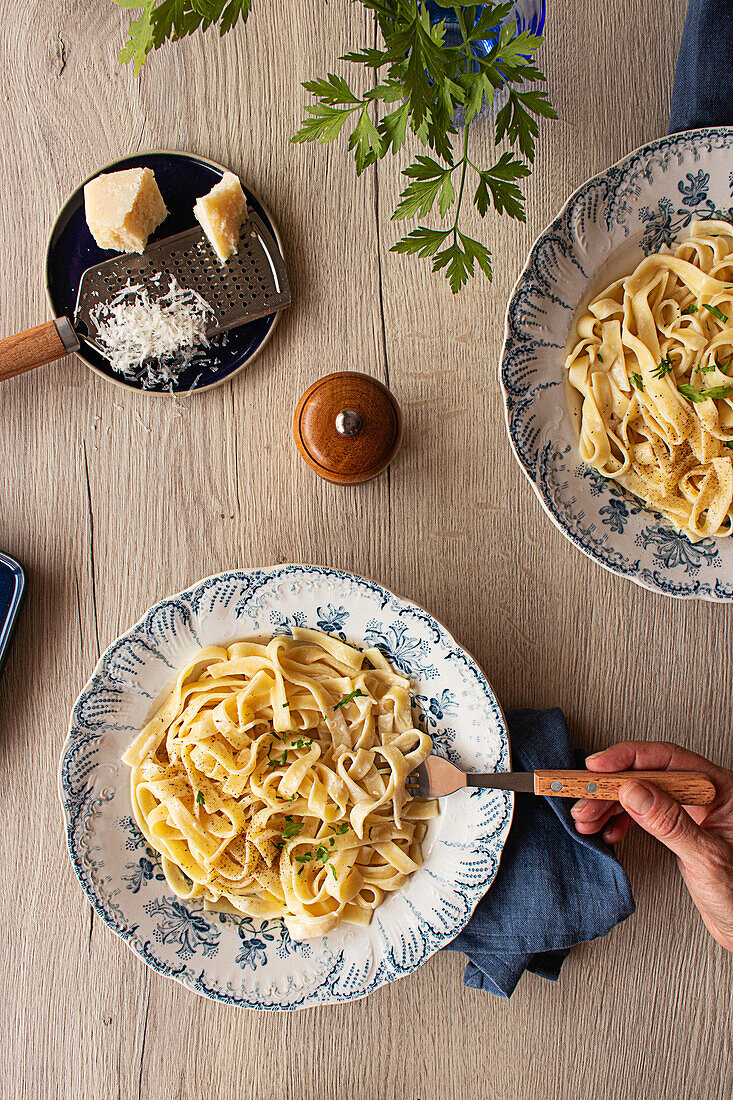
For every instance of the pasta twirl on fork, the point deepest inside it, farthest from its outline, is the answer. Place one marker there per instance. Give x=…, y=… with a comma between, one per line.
x=271, y=781
x=653, y=365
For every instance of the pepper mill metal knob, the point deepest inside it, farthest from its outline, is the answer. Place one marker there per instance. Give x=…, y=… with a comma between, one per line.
x=347, y=427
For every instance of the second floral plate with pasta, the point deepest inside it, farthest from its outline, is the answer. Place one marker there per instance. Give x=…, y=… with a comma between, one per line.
x=617, y=369
x=233, y=779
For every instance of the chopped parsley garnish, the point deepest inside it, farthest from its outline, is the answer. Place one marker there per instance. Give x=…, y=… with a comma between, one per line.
x=277, y=763
x=286, y=704
x=348, y=698
x=302, y=742
x=292, y=828
x=322, y=853
x=333, y=871
x=340, y=829
x=370, y=831
x=729, y=443
x=664, y=367
x=692, y=308
x=723, y=367
x=637, y=381
x=690, y=392
x=332, y=840
x=715, y=310
x=200, y=798
x=717, y=393
x=599, y=357
x=706, y=370
x=305, y=858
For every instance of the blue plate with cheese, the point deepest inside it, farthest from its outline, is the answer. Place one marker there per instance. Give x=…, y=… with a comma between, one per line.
x=182, y=178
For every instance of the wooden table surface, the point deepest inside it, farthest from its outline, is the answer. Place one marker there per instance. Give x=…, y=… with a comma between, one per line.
x=112, y=499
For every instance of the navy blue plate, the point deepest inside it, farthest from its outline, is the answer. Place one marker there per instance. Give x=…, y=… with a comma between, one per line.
x=181, y=178
x=12, y=583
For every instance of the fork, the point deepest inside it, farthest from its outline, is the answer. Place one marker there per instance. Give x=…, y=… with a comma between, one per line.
x=436, y=777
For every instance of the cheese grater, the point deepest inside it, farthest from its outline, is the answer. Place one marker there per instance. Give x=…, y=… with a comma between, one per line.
x=253, y=283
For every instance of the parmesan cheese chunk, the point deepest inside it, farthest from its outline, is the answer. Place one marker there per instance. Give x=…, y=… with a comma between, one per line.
x=123, y=208
x=221, y=214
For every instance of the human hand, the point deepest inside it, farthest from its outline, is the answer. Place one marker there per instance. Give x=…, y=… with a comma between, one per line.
x=701, y=837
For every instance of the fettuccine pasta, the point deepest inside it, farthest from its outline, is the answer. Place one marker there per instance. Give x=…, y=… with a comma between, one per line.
x=653, y=365
x=272, y=781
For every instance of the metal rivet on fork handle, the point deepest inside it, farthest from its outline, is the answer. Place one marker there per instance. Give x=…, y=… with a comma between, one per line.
x=556, y=785
x=591, y=788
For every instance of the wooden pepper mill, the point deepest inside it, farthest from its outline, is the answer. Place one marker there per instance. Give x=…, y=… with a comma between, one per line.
x=348, y=427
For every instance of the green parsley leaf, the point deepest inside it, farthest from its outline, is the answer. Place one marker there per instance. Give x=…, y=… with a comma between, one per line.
x=333, y=871
x=430, y=180
x=356, y=694
x=692, y=308
x=690, y=392
x=496, y=185
x=664, y=367
x=637, y=381
x=325, y=123
x=366, y=141
x=718, y=393
x=292, y=828
x=199, y=798
x=164, y=20
x=340, y=829
x=332, y=90
x=706, y=370
x=458, y=260
x=286, y=704
x=305, y=858
x=723, y=367
x=423, y=241
x=715, y=310
x=393, y=127
x=599, y=357
x=729, y=443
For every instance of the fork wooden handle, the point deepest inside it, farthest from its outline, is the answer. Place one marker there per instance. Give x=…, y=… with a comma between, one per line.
x=689, y=788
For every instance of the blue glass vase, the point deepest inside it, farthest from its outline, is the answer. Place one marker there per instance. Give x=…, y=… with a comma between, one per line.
x=529, y=16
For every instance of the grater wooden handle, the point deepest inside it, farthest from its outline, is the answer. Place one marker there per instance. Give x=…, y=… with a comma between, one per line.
x=689, y=788
x=36, y=346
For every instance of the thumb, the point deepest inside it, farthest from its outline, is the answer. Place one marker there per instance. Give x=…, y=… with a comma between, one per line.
x=663, y=818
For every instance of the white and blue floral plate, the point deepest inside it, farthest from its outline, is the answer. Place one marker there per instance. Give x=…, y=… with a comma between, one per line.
x=235, y=959
x=645, y=201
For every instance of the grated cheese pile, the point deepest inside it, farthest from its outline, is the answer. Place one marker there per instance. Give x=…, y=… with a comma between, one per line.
x=152, y=341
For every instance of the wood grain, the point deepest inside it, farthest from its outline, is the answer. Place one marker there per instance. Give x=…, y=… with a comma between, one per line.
x=688, y=788
x=23, y=351
x=112, y=500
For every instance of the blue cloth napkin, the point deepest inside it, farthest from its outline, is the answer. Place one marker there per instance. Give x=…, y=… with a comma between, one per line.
x=702, y=93
x=554, y=888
